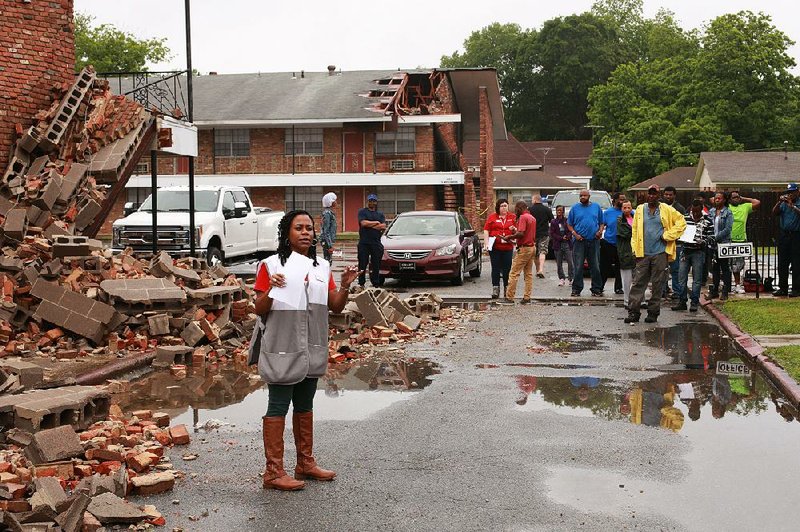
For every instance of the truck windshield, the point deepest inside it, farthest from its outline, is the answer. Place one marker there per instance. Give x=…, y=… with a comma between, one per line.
x=178, y=201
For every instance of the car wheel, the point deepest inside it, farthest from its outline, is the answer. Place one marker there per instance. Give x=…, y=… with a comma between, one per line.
x=476, y=272
x=214, y=256
x=458, y=280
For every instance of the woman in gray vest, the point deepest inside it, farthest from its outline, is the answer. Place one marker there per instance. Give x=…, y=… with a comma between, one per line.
x=295, y=290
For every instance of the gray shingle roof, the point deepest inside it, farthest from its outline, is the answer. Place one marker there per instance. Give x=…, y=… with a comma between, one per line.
x=737, y=168
x=682, y=178
x=531, y=179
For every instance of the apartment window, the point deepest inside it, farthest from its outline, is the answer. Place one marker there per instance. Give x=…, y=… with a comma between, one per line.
x=396, y=200
x=307, y=199
x=142, y=168
x=232, y=142
x=401, y=141
x=303, y=141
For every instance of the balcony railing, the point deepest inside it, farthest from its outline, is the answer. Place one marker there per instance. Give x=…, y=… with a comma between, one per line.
x=336, y=163
x=160, y=91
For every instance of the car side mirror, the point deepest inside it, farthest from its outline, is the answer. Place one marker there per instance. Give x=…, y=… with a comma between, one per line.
x=467, y=233
x=239, y=209
x=129, y=208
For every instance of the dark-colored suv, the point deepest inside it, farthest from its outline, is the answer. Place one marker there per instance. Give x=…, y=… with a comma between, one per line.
x=430, y=245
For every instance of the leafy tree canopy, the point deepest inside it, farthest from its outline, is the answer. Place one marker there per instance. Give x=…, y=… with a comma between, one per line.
x=111, y=50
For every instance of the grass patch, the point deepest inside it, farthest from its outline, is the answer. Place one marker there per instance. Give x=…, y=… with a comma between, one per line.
x=765, y=316
x=789, y=357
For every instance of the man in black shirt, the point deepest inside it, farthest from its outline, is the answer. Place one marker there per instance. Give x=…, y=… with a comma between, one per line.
x=543, y=216
x=371, y=224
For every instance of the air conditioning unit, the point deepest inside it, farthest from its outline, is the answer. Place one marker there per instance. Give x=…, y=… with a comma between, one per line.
x=402, y=164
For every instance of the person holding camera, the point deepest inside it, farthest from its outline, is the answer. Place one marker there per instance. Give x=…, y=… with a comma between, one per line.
x=788, y=209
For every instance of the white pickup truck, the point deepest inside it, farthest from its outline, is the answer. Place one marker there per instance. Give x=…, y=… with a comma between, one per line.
x=227, y=226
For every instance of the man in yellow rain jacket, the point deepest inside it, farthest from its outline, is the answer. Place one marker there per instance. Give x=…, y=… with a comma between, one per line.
x=656, y=227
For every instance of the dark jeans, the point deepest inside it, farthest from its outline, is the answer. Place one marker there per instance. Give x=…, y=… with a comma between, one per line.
x=694, y=259
x=609, y=264
x=586, y=249
x=301, y=395
x=564, y=253
x=501, y=266
x=370, y=253
x=649, y=269
x=674, y=271
x=789, y=255
x=720, y=271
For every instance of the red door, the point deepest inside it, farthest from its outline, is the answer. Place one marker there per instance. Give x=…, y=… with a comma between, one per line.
x=353, y=152
x=353, y=200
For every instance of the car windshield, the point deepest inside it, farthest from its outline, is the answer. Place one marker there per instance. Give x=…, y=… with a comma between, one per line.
x=423, y=226
x=178, y=201
x=568, y=199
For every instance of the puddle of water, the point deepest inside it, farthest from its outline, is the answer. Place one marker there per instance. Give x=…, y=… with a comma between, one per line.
x=237, y=396
x=567, y=341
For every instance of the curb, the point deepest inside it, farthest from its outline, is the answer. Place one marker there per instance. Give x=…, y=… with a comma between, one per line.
x=753, y=350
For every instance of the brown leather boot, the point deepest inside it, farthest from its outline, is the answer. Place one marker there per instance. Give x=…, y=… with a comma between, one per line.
x=303, y=428
x=275, y=476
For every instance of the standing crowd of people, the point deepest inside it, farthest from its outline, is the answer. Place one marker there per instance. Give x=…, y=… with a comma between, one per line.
x=656, y=246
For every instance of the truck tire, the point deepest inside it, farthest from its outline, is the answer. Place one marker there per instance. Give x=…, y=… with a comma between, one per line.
x=214, y=256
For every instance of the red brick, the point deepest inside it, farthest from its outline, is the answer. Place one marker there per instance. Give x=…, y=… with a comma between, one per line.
x=179, y=434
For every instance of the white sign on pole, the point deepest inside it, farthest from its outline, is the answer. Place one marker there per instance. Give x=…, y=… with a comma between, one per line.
x=735, y=249
x=725, y=367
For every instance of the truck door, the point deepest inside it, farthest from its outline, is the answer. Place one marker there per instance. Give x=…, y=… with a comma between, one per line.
x=248, y=225
x=234, y=228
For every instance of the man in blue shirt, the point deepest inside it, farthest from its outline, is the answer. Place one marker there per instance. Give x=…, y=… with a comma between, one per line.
x=788, y=208
x=371, y=224
x=609, y=259
x=585, y=222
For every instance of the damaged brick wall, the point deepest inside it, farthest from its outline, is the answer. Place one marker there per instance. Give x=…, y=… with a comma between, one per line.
x=37, y=51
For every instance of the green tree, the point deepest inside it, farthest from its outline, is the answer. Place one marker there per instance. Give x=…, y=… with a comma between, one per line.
x=508, y=48
x=111, y=50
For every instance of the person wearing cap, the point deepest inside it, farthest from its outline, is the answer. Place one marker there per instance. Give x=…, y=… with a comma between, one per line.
x=656, y=227
x=371, y=225
x=788, y=209
x=328, y=234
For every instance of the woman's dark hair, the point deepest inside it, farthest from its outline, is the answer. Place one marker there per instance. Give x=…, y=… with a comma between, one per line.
x=725, y=196
x=497, y=204
x=284, y=248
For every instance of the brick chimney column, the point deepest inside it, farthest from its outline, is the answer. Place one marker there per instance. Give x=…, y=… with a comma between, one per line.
x=37, y=51
x=486, y=151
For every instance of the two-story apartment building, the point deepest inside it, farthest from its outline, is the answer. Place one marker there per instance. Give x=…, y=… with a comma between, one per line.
x=292, y=137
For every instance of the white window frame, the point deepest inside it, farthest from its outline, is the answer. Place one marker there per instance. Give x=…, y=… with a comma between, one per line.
x=305, y=140
x=232, y=143
x=402, y=141
x=307, y=199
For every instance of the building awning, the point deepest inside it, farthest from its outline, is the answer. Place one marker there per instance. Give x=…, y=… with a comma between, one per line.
x=304, y=180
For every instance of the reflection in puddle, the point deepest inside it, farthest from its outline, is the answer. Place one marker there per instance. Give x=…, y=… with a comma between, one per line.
x=668, y=401
x=237, y=396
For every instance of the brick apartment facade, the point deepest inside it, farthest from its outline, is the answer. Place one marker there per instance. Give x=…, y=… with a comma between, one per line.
x=37, y=51
x=398, y=134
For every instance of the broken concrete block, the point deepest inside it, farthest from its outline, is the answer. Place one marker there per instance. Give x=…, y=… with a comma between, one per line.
x=370, y=309
x=15, y=224
x=52, y=445
x=412, y=322
x=193, y=334
x=30, y=375
x=153, y=483
x=74, y=246
x=72, y=519
x=48, y=493
x=110, y=509
x=167, y=355
x=159, y=324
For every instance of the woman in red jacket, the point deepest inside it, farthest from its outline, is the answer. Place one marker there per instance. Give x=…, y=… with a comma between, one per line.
x=499, y=225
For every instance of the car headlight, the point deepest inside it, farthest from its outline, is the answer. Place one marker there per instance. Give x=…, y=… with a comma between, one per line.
x=198, y=232
x=446, y=250
x=115, y=233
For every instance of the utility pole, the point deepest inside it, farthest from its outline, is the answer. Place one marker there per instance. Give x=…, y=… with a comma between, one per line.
x=192, y=243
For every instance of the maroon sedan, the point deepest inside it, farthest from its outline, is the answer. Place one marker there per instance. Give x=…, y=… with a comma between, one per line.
x=430, y=245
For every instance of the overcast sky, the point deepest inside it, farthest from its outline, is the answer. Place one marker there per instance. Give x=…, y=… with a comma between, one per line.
x=230, y=36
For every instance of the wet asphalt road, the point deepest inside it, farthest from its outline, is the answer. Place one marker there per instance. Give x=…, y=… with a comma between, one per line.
x=463, y=455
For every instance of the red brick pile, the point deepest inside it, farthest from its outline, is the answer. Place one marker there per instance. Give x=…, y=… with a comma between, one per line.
x=80, y=480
